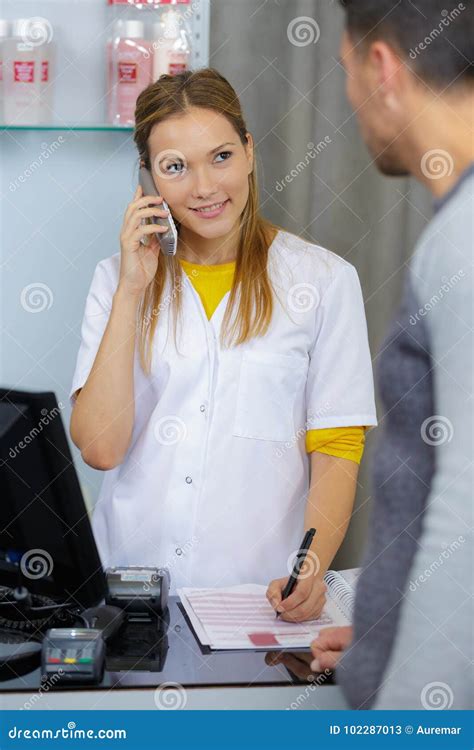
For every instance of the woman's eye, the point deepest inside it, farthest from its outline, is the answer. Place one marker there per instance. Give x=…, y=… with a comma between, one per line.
x=174, y=168
x=226, y=154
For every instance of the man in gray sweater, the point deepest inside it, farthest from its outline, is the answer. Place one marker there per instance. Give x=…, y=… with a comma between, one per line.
x=410, y=81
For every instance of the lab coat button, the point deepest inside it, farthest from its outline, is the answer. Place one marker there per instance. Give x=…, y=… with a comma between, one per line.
x=188, y=480
x=202, y=407
x=179, y=551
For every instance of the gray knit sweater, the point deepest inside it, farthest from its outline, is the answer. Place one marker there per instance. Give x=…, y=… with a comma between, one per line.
x=413, y=615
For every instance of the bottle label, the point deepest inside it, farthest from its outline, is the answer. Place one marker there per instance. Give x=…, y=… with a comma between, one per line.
x=44, y=71
x=127, y=72
x=175, y=68
x=23, y=71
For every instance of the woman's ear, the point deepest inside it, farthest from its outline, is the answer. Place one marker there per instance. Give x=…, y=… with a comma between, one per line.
x=249, y=146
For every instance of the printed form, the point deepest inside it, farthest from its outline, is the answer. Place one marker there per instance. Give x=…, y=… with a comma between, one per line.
x=240, y=617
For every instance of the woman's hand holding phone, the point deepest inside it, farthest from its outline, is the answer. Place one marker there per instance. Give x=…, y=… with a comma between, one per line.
x=138, y=262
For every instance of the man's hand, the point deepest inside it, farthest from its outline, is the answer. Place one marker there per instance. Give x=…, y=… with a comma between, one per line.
x=305, y=603
x=327, y=648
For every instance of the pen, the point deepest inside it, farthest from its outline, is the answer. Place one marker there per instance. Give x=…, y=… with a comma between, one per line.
x=300, y=558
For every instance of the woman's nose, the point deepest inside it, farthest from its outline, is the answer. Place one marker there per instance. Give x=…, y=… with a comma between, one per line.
x=204, y=185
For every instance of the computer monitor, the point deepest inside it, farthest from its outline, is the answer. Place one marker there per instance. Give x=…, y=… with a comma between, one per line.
x=46, y=540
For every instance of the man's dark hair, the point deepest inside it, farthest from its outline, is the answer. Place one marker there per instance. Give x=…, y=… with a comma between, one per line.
x=435, y=37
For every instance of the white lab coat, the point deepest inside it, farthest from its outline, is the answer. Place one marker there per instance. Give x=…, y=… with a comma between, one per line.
x=215, y=481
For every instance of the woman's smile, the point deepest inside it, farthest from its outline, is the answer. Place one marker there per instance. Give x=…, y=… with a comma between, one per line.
x=211, y=211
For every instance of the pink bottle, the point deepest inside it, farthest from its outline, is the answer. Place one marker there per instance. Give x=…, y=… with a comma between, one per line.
x=129, y=68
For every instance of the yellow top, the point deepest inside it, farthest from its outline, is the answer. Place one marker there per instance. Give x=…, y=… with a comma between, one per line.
x=344, y=442
x=212, y=283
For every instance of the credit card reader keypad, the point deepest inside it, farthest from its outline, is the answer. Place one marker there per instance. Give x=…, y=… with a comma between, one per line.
x=73, y=655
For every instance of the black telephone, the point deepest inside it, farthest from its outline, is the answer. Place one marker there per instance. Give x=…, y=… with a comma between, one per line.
x=168, y=240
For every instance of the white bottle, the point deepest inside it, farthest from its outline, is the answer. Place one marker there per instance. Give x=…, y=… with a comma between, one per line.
x=4, y=33
x=27, y=72
x=129, y=70
x=47, y=52
x=171, y=50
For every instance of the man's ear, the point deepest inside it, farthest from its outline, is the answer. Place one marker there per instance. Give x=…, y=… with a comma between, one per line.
x=387, y=69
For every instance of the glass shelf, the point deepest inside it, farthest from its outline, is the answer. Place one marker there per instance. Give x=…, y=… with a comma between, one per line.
x=81, y=30
x=92, y=127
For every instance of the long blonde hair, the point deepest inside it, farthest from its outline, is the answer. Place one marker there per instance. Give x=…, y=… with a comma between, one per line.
x=170, y=96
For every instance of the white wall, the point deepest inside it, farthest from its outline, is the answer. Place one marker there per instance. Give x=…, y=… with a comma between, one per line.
x=63, y=196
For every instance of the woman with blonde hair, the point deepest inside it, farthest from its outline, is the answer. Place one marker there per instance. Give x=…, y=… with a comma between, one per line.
x=225, y=390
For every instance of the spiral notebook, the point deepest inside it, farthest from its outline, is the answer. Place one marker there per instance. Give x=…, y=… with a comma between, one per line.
x=240, y=617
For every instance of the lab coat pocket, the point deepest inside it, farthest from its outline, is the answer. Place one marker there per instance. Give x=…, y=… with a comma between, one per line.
x=269, y=386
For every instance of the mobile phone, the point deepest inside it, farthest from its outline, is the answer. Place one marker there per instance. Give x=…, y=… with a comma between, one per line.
x=168, y=240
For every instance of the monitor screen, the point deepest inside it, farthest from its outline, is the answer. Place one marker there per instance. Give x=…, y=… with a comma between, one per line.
x=46, y=539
